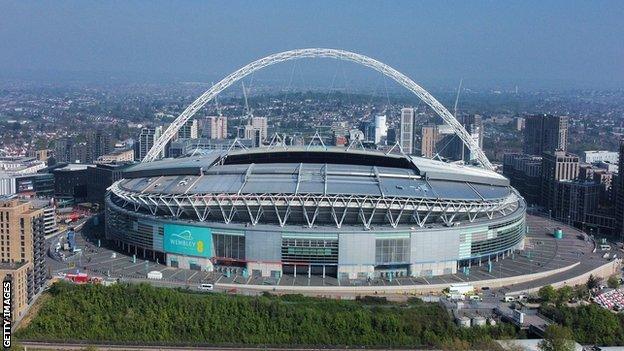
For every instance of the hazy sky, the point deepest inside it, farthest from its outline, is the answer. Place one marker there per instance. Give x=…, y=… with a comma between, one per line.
x=530, y=42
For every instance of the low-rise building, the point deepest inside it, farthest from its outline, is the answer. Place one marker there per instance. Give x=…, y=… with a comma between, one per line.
x=117, y=156
x=593, y=156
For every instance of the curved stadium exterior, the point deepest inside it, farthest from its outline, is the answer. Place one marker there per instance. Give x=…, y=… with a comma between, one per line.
x=324, y=211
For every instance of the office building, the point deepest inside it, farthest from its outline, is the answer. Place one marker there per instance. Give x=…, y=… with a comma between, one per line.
x=100, y=177
x=406, y=136
x=70, y=182
x=215, y=127
x=14, y=168
x=545, y=133
x=33, y=185
x=86, y=183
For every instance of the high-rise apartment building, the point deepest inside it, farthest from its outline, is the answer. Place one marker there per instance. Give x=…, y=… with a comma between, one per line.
x=525, y=175
x=22, y=249
x=381, y=128
x=557, y=166
x=575, y=200
x=215, y=127
x=406, y=137
x=62, y=149
x=98, y=143
x=391, y=138
x=19, y=274
x=261, y=124
x=189, y=130
x=474, y=126
x=429, y=135
x=618, y=189
x=545, y=133
x=66, y=150
x=147, y=138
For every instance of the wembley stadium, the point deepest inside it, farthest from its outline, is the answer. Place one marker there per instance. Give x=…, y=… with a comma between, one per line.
x=340, y=212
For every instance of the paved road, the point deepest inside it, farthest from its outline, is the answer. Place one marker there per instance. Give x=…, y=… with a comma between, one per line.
x=542, y=253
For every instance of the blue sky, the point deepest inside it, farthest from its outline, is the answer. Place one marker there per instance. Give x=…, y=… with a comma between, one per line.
x=548, y=43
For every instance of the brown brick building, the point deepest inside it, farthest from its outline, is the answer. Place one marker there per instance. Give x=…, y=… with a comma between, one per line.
x=22, y=250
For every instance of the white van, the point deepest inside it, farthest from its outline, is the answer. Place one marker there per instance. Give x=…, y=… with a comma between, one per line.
x=509, y=299
x=475, y=297
x=208, y=287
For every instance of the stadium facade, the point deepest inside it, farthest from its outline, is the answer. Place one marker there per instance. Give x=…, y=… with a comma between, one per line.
x=315, y=210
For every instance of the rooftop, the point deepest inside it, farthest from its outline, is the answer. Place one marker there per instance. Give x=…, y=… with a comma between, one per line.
x=315, y=171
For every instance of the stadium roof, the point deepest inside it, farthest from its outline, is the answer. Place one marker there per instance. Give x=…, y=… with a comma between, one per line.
x=316, y=170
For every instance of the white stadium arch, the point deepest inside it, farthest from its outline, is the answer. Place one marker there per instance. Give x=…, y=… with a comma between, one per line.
x=381, y=67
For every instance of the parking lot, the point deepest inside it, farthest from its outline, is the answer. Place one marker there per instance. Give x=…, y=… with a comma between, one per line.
x=542, y=253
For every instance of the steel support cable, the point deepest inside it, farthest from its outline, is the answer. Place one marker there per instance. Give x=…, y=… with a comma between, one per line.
x=388, y=71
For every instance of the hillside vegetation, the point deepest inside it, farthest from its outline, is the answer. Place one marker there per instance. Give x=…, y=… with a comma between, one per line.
x=144, y=314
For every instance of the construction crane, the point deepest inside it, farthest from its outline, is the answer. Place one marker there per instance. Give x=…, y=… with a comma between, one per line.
x=249, y=113
x=217, y=104
x=463, y=147
x=457, y=98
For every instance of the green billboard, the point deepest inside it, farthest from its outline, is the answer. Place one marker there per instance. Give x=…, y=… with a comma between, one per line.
x=188, y=240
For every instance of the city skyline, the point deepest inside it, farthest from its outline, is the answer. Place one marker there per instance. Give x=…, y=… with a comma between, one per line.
x=379, y=175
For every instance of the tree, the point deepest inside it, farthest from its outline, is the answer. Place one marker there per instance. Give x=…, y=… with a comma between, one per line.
x=581, y=292
x=564, y=294
x=547, y=293
x=613, y=282
x=592, y=282
x=557, y=338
